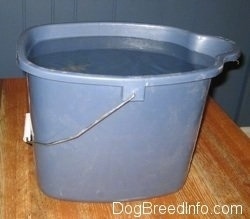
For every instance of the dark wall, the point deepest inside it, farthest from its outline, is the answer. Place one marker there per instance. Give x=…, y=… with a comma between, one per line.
x=227, y=18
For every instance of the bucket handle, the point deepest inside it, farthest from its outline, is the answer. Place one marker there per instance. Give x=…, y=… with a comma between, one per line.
x=83, y=131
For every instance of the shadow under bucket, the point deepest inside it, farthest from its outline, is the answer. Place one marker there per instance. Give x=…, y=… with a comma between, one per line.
x=116, y=107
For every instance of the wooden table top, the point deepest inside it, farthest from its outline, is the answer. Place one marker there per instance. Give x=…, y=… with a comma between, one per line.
x=218, y=184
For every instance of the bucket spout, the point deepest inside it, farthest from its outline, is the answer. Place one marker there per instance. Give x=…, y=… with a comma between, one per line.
x=222, y=49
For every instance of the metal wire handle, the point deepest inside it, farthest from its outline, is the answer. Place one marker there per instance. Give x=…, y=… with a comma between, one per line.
x=83, y=131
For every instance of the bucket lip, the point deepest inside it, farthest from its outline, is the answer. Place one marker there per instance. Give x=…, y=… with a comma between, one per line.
x=187, y=39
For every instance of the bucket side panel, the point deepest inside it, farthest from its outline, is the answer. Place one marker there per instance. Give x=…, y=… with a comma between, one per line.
x=142, y=150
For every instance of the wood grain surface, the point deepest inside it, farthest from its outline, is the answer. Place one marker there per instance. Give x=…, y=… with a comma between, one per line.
x=219, y=178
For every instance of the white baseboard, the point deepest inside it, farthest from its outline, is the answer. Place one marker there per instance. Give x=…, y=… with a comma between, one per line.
x=246, y=130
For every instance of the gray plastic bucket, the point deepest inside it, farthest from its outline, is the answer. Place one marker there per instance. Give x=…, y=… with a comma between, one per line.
x=126, y=133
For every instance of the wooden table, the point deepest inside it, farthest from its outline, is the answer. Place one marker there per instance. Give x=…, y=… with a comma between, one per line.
x=218, y=182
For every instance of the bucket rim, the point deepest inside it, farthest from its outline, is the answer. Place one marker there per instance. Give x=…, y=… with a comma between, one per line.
x=192, y=41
